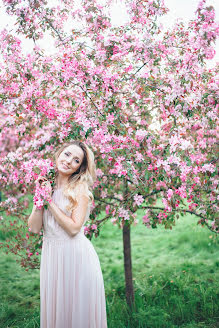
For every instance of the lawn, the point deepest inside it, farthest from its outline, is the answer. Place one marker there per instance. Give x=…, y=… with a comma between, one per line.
x=175, y=273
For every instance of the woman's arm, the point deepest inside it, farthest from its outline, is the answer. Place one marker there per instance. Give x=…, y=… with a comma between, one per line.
x=35, y=220
x=73, y=224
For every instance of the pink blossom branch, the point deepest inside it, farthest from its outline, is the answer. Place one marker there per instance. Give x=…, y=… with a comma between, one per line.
x=182, y=210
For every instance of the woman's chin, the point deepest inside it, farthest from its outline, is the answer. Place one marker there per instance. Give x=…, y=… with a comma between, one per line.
x=63, y=171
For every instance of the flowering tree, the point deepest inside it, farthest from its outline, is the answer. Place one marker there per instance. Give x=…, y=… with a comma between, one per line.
x=106, y=84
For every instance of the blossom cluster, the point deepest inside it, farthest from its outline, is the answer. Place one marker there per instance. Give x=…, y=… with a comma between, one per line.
x=142, y=98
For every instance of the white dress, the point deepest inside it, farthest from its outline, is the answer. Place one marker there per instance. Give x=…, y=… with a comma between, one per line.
x=72, y=291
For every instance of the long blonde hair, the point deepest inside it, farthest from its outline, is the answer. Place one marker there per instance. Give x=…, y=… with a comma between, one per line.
x=81, y=181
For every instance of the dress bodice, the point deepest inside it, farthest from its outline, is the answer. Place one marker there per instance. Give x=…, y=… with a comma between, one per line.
x=51, y=228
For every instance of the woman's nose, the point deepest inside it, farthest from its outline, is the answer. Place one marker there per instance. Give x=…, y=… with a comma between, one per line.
x=68, y=160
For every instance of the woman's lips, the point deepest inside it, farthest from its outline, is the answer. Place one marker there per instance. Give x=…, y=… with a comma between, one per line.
x=66, y=167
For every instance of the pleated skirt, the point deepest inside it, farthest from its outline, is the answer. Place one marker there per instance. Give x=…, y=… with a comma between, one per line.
x=72, y=291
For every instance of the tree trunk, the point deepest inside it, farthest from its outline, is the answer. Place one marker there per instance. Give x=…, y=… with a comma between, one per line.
x=128, y=266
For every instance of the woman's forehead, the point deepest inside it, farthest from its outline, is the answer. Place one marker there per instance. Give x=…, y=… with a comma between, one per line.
x=75, y=150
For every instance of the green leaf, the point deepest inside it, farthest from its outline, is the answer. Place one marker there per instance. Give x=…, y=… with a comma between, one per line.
x=36, y=170
x=88, y=132
x=42, y=147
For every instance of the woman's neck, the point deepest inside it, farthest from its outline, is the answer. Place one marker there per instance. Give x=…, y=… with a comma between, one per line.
x=61, y=181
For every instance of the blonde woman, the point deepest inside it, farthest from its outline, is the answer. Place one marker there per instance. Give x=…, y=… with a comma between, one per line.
x=72, y=291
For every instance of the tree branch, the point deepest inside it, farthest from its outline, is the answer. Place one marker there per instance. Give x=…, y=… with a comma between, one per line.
x=182, y=210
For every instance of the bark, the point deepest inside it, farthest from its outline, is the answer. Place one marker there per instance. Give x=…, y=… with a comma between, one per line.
x=129, y=290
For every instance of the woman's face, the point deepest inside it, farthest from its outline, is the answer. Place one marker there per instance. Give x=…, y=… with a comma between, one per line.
x=70, y=160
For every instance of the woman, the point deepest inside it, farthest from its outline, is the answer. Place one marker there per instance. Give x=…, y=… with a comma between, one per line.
x=71, y=283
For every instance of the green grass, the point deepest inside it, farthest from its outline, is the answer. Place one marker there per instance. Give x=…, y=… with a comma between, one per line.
x=175, y=273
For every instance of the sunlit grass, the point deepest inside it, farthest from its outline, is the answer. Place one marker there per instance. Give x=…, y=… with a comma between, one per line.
x=175, y=275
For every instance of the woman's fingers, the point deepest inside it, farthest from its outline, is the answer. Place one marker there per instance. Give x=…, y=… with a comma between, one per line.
x=45, y=183
x=41, y=179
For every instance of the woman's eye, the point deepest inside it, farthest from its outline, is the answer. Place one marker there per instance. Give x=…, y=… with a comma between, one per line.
x=67, y=154
x=77, y=160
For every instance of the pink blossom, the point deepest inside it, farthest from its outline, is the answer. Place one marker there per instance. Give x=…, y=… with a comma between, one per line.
x=169, y=193
x=135, y=222
x=208, y=167
x=197, y=180
x=123, y=213
x=140, y=134
x=146, y=218
x=114, y=221
x=138, y=199
x=87, y=230
x=167, y=206
x=107, y=209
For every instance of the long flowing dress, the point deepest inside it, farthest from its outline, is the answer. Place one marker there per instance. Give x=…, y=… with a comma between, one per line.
x=72, y=291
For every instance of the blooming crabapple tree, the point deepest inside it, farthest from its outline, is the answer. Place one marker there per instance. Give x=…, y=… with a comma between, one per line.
x=105, y=85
